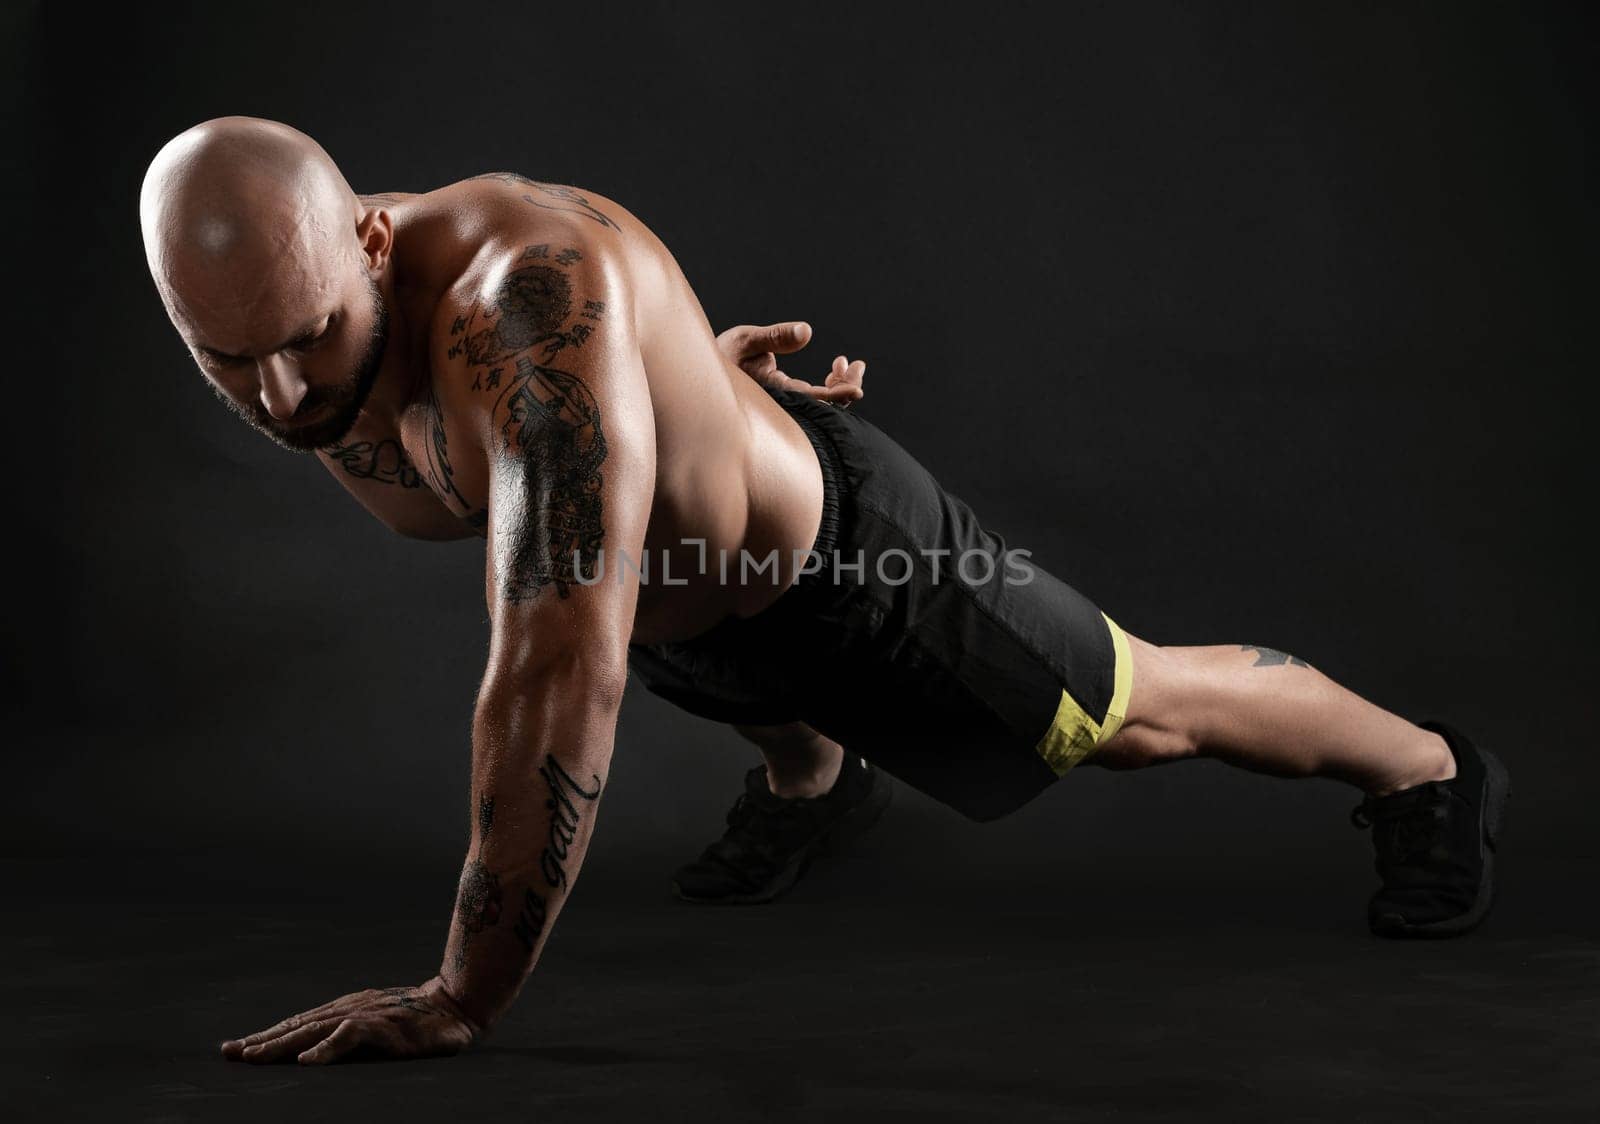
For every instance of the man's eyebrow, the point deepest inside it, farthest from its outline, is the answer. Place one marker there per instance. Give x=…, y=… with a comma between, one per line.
x=309, y=334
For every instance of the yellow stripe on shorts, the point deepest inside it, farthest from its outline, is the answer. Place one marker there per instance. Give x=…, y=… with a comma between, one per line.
x=1074, y=734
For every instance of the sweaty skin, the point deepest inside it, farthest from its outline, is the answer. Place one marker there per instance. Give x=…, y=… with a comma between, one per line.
x=512, y=359
x=525, y=361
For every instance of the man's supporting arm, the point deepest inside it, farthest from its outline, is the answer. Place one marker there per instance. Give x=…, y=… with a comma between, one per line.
x=571, y=443
x=544, y=363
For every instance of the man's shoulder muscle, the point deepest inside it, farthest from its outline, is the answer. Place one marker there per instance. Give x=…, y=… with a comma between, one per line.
x=541, y=294
x=555, y=202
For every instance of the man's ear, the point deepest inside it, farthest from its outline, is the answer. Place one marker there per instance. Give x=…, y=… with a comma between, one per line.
x=375, y=232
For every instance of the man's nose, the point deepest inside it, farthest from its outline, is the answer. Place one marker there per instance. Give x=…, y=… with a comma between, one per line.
x=282, y=388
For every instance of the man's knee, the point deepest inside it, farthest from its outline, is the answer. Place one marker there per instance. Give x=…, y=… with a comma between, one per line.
x=1157, y=727
x=1138, y=744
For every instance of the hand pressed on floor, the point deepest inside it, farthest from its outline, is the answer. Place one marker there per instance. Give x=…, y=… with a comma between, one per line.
x=393, y=1022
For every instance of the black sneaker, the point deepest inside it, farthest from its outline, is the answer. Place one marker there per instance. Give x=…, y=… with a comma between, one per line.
x=1436, y=845
x=770, y=840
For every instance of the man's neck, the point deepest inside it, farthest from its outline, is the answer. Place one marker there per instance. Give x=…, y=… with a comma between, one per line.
x=402, y=372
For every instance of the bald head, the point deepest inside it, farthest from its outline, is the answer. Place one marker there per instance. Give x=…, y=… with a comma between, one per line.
x=260, y=249
x=240, y=215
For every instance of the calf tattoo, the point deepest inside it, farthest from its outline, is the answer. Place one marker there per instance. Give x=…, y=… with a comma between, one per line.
x=1271, y=657
x=547, y=418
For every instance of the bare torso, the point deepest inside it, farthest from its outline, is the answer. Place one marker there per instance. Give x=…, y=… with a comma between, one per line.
x=731, y=467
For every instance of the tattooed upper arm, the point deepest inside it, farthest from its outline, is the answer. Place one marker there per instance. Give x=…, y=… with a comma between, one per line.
x=545, y=352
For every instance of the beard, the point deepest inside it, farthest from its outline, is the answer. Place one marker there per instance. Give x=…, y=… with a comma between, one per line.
x=345, y=398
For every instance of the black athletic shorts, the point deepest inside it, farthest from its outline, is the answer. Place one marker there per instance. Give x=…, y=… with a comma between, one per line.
x=917, y=639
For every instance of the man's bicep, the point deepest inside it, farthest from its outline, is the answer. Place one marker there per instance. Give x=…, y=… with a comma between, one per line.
x=549, y=487
x=571, y=446
x=569, y=501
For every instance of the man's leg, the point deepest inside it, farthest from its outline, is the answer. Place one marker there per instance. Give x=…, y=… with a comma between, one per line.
x=800, y=761
x=808, y=798
x=1269, y=712
x=1435, y=801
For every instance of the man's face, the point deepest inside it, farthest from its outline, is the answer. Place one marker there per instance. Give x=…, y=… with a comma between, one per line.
x=303, y=378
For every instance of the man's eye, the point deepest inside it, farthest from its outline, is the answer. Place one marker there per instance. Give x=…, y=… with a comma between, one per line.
x=315, y=340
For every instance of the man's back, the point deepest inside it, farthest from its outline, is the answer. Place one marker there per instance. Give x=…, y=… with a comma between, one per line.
x=500, y=271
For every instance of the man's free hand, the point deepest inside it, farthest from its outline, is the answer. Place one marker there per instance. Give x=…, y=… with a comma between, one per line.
x=755, y=348
x=394, y=1022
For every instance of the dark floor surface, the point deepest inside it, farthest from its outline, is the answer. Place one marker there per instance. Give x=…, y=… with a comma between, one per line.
x=873, y=993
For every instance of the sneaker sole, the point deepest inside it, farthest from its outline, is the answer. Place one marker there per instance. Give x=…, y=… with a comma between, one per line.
x=846, y=829
x=1494, y=798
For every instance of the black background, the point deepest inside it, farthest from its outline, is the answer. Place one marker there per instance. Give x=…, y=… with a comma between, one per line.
x=1256, y=323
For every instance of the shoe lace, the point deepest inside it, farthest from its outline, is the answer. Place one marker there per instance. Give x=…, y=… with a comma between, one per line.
x=759, y=829
x=1406, y=829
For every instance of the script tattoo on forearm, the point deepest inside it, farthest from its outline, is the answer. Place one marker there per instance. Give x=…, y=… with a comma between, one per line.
x=571, y=200
x=566, y=803
x=382, y=461
x=1271, y=657
x=547, y=418
x=565, y=816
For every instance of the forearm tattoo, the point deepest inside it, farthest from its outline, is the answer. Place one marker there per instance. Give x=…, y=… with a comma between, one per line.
x=546, y=417
x=567, y=199
x=479, y=896
x=565, y=816
x=478, y=904
x=567, y=802
x=1271, y=657
x=384, y=462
